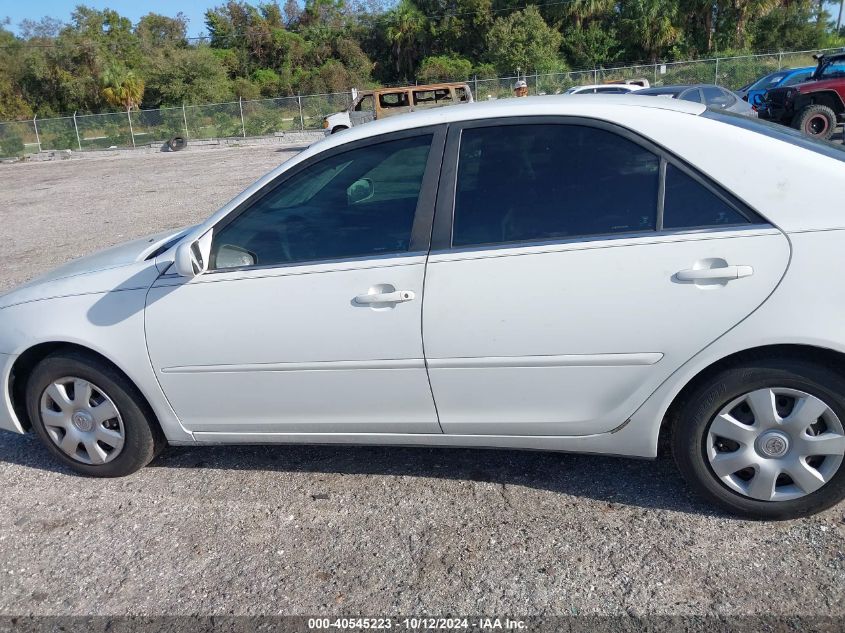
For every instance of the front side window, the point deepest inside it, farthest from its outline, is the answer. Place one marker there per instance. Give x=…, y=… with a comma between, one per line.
x=544, y=181
x=354, y=204
x=365, y=104
x=689, y=204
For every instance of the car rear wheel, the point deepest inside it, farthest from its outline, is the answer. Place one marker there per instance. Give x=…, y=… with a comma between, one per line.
x=765, y=440
x=816, y=120
x=90, y=416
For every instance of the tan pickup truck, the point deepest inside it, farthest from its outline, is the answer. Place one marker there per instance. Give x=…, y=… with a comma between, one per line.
x=383, y=102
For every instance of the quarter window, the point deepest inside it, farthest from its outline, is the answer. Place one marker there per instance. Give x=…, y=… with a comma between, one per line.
x=690, y=204
x=541, y=182
x=354, y=204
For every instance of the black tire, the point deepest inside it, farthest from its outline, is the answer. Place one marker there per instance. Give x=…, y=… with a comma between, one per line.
x=339, y=128
x=817, y=121
x=143, y=438
x=177, y=143
x=691, y=425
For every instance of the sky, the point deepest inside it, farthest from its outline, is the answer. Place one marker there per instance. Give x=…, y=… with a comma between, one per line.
x=17, y=10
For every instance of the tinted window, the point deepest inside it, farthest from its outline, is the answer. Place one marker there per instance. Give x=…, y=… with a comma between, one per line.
x=689, y=204
x=716, y=97
x=692, y=95
x=769, y=81
x=353, y=204
x=541, y=182
x=613, y=91
x=797, y=78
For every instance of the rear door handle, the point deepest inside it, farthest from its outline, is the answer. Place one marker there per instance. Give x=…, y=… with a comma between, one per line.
x=725, y=272
x=397, y=296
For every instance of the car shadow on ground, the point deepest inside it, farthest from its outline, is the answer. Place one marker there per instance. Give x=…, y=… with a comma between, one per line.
x=651, y=484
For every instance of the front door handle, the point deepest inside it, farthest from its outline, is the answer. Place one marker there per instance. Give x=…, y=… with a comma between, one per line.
x=725, y=273
x=397, y=296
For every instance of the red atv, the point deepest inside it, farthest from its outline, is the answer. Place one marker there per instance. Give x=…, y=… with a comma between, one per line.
x=815, y=106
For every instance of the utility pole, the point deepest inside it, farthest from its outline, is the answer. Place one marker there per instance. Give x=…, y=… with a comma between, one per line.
x=839, y=19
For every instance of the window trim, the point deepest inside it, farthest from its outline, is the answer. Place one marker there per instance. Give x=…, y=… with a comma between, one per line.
x=423, y=214
x=443, y=225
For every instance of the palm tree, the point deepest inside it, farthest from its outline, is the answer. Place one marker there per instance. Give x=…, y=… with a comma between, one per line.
x=406, y=26
x=748, y=10
x=122, y=89
x=583, y=10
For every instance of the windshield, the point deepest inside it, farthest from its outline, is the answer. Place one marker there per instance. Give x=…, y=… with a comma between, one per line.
x=769, y=81
x=779, y=132
x=831, y=69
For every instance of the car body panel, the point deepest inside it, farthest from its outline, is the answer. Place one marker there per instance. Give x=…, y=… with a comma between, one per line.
x=104, y=309
x=755, y=96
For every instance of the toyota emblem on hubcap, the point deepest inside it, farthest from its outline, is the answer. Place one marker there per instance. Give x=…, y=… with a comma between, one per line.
x=773, y=444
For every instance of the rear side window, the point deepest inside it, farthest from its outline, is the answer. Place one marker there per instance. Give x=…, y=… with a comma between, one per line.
x=689, y=204
x=797, y=79
x=692, y=95
x=393, y=100
x=544, y=181
x=461, y=93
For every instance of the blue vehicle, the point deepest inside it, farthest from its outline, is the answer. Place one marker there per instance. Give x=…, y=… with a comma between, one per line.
x=754, y=93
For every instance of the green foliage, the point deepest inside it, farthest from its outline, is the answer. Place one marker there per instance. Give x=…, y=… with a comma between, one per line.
x=524, y=41
x=444, y=68
x=258, y=49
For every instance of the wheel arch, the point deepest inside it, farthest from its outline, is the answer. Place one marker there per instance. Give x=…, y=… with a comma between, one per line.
x=828, y=98
x=27, y=360
x=828, y=357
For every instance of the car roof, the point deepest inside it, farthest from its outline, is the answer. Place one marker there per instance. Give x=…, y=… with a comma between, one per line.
x=551, y=105
x=613, y=85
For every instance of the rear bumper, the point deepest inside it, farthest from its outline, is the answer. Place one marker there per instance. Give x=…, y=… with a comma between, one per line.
x=8, y=420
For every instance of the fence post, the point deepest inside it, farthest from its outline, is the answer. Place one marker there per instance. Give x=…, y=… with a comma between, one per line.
x=241, y=106
x=780, y=60
x=76, y=127
x=475, y=87
x=716, y=75
x=37, y=138
x=655, y=74
x=595, y=75
x=301, y=118
x=131, y=131
x=185, y=119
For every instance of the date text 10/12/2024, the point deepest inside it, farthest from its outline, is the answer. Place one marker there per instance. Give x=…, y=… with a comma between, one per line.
x=417, y=624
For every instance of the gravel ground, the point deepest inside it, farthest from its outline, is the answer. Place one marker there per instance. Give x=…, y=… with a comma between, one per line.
x=346, y=530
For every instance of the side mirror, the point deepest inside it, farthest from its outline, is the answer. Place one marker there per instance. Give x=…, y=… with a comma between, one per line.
x=360, y=190
x=192, y=256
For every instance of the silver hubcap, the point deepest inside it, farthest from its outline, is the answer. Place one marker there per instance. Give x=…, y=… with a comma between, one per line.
x=775, y=444
x=82, y=421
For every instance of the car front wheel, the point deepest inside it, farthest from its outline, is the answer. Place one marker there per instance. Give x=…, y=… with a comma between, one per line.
x=90, y=416
x=765, y=440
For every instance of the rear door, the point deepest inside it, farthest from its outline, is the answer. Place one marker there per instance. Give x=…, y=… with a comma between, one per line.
x=574, y=267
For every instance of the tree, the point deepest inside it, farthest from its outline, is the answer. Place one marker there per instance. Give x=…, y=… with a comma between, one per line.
x=650, y=28
x=406, y=30
x=123, y=89
x=523, y=40
x=444, y=68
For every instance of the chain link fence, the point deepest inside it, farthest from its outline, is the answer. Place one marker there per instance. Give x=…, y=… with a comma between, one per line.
x=265, y=117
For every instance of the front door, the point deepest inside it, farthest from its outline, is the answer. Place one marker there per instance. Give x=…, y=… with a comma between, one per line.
x=581, y=268
x=309, y=319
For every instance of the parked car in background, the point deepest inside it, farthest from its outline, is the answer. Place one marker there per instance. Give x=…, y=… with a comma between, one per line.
x=715, y=97
x=604, y=89
x=815, y=106
x=755, y=92
x=472, y=277
x=372, y=105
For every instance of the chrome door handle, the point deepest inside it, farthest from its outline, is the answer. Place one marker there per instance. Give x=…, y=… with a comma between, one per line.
x=398, y=296
x=723, y=273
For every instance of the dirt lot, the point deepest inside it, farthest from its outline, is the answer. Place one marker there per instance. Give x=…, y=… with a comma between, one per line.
x=306, y=530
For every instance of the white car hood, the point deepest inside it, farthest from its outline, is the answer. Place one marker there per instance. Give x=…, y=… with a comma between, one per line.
x=122, y=267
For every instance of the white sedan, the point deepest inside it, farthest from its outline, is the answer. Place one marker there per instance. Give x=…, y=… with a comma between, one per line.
x=557, y=274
